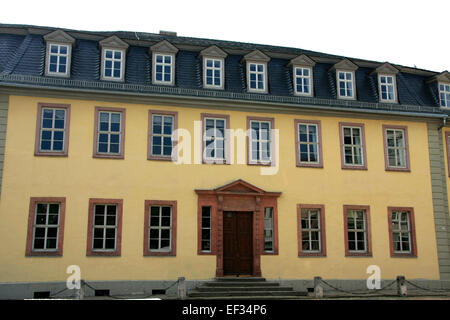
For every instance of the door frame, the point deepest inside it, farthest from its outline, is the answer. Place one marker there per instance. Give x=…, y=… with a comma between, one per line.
x=238, y=195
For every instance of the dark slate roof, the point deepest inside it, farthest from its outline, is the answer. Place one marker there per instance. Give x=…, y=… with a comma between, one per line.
x=22, y=59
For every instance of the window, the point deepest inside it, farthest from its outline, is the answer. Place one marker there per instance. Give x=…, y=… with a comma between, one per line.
x=52, y=130
x=46, y=227
x=311, y=230
x=444, y=94
x=215, y=138
x=161, y=140
x=58, y=53
x=113, y=64
x=357, y=231
x=353, y=150
x=58, y=59
x=213, y=73
x=387, y=88
x=109, y=133
x=268, y=230
x=206, y=229
x=402, y=232
x=260, y=143
x=160, y=228
x=396, y=148
x=303, y=81
x=345, y=85
x=163, y=69
x=105, y=227
x=308, y=143
x=257, y=77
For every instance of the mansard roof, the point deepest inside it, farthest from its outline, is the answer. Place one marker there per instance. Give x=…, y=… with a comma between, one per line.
x=22, y=57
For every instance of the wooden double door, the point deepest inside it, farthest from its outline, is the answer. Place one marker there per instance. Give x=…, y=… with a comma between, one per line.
x=237, y=243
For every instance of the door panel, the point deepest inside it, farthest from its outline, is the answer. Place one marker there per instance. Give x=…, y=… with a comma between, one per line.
x=237, y=242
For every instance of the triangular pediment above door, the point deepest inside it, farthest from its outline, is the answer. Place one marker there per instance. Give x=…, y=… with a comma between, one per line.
x=240, y=186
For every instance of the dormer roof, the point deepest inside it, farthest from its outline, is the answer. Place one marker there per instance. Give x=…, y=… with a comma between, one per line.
x=302, y=60
x=114, y=42
x=164, y=47
x=59, y=36
x=344, y=64
x=386, y=68
x=256, y=56
x=213, y=51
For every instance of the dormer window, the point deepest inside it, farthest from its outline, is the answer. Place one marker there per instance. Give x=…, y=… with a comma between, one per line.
x=345, y=82
x=444, y=94
x=58, y=54
x=345, y=79
x=256, y=71
x=163, y=68
x=163, y=57
x=213, y=67
x=302, y=75
x=113, y=64
x=387, y=83
x=387, y=88
x=113, y=59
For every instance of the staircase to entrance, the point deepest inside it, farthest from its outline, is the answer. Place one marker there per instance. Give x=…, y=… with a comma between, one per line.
x=244, y=288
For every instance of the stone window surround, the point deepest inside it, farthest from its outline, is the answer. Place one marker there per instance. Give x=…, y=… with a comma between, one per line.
x=29, y=252
x=413, y=253
x=368, y=235
x=363, y=142
x=89, y=246
x=319, y=164
x=323, y=245
x=227, y=142
x=151, y=113
x=58, y=37
x=407, y=168
x=121, y=154
x=167, y=203
x=113, y=43
x=64, y=153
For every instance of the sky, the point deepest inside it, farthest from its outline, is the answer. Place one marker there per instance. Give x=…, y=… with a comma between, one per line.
x=410, y=33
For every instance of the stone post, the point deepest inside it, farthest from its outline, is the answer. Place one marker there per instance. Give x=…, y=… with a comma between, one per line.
x=318, y=289
x=181, y=292
x=402, y=290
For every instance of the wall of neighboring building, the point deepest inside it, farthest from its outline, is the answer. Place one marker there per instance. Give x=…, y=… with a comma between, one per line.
x=135, y=179
x=3, y=121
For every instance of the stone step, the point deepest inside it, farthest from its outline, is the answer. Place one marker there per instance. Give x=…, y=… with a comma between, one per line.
x=244, y=279
x=240, y=288
x=227, y=294
x=255, y=297
x=240, y=284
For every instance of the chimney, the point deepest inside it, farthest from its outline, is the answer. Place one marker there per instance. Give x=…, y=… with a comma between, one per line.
x=167, y=33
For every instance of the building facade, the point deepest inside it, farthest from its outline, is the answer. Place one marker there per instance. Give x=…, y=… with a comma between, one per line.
x=141, y=158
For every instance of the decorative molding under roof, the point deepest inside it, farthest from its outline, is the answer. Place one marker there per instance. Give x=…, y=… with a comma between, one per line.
x=344, y=64
x=114, y=42
x=256, y=55
x=164, y=47
x=302, y=60
x=441, y=77
x=386, y=68
x=213, y=51
x=59, y=36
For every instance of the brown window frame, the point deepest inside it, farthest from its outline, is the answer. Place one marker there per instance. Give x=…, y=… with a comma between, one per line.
x=37, y=143
x=368, y=252
x=274, y=207
x=226, y=138
x=407, y=168
x=413, y=244
x=174, y=114
x=249, y=142
x=29, y=252
x=299, y=163
x=120, y=155
x=323, y=245
x=90, y=252
x=173, y=204
x=363, y=141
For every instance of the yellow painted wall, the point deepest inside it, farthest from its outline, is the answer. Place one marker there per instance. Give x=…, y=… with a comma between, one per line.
x=79, y=177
